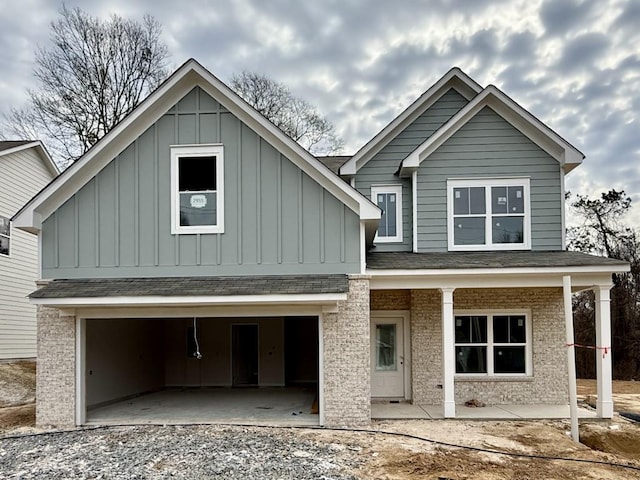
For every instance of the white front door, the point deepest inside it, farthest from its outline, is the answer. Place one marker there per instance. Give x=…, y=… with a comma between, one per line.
x=387, y=356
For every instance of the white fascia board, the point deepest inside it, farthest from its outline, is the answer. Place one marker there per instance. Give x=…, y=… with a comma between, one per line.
x=190, y=75
x=308, y=299
x=454, y=78
x=500, y=271
x=503, y=280
x=566, y=154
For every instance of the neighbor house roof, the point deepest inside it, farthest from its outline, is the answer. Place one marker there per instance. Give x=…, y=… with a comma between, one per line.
x=454, y=78
x=566, y=154
x=502, y=259
x=7, y=147
x=193, y=286
x=183, y=80
x=7, y=144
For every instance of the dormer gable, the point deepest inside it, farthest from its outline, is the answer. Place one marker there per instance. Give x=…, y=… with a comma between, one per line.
x=454, y=79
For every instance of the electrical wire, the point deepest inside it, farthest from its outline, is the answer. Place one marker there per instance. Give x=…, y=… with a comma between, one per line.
x=327, y=429
x=197, y=353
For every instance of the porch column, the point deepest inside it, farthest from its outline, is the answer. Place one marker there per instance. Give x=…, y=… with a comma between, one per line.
x=604, y=404
x=448, y=353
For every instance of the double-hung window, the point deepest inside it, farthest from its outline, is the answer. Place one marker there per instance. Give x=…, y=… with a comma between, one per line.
x=389, y=199
x=197, y=189
x=5, y=235
x=496, y=343
x=489, y=214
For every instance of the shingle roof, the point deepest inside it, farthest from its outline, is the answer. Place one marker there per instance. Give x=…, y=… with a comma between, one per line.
x=7, y=144
x=334, y=162
x=194, y=286
x=507, y=259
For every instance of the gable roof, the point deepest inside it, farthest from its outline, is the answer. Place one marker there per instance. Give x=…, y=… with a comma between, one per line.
x=7, y=147
x=566, y=154
x=181, y=82
x=454, y=78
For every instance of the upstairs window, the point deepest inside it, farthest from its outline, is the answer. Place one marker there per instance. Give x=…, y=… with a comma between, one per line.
x=197, y=189
x=493, y=344
x=5, y=235
x=389, y=200
x=489, y=214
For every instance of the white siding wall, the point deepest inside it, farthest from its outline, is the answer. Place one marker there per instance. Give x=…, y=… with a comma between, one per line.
x=22, y=175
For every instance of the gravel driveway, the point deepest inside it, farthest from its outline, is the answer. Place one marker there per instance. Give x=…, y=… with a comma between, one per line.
x=177, y=452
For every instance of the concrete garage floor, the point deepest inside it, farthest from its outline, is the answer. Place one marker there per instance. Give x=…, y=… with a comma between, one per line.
x=250, y=406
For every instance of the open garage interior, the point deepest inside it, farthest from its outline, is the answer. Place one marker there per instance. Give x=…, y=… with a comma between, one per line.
x=201, y=370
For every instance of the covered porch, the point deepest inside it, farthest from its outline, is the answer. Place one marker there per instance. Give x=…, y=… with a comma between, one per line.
x=491, y=327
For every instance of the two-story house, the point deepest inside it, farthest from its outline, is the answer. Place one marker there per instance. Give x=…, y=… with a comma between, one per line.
x=198, y=246
x=25, y=168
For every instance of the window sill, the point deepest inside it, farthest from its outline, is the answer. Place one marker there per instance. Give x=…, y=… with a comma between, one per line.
x=494, y=378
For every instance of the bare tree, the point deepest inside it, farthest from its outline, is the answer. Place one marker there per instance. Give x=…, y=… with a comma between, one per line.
x=90, y=77
x=603, y=231
x=294, y=116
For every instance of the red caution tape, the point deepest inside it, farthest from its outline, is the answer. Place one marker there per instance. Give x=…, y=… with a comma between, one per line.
x=605, y=350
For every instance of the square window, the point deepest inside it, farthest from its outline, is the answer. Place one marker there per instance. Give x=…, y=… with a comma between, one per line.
x=197, y=196
x=488, y=214
x=492, y=344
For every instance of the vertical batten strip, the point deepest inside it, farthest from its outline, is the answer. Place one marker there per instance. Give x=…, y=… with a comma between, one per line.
x=343, y=235
x=76, y=230
x=116, y=205
x=279, y=208
x=56, y=240
x=156, y=195
x=322, y=213
x=96, y=225
x=239, y=183
x=300, y=219
x=136, y=203
x=176, y=139
x=259, y=202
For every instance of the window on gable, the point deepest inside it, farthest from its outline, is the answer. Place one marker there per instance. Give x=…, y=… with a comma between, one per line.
x=197, y=195
x=389, y=199
x=5, y=235
x=493, y=344
x=489, y=214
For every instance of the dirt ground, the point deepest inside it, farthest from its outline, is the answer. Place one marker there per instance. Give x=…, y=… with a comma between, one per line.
x=392, y=457
x=626, y=394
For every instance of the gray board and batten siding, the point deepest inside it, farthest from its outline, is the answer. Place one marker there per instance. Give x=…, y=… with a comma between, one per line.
x=277, y=219
x=381, y=168
x=489, y=147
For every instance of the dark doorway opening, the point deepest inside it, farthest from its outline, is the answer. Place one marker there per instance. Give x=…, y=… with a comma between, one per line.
x=244, y=355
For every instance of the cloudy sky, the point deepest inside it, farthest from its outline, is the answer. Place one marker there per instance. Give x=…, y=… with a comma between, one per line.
x=575, y=64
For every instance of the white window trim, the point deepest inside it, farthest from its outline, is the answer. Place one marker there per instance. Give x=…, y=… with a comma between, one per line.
x=8, y=237
x=490, y=344
x=203, y=150
x=488, y=183
x=397, y=189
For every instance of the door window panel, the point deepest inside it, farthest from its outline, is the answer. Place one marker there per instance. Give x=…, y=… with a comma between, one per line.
x=386, y=347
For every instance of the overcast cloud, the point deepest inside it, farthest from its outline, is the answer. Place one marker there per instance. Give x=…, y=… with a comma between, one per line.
x=575, y=64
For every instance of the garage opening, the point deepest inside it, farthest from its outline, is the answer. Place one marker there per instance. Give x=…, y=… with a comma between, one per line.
x=202, y=370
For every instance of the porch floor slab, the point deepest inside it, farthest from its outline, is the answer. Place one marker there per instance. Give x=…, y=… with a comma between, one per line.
x=250, y=406
x=397, y=411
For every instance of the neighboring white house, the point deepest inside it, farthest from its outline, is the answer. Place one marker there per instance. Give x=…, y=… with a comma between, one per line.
x=25, y=168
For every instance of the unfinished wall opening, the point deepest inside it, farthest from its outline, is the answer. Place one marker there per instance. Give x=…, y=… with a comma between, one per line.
x=185, y=370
